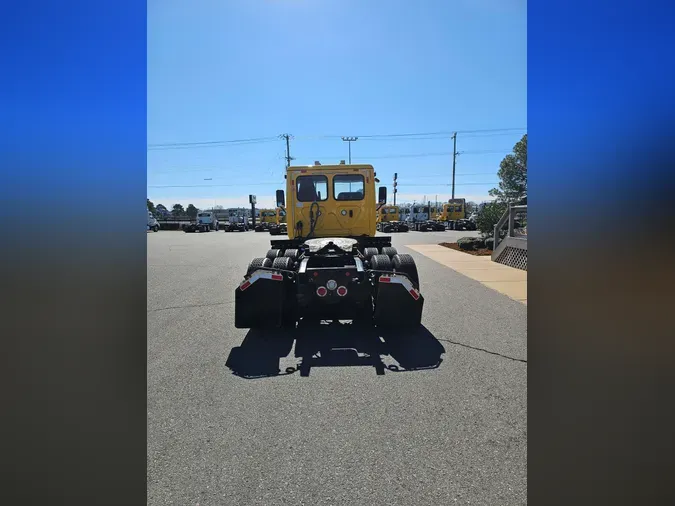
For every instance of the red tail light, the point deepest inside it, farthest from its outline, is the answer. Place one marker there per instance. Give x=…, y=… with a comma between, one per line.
x=385, y=280
x=342, y=291
x=348, y=273
x=321, y=291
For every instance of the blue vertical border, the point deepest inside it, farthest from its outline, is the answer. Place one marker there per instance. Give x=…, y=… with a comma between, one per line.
x=73, y=185
x=600, y=124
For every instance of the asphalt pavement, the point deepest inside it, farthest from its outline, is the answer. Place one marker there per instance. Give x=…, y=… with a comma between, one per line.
x=436, y=417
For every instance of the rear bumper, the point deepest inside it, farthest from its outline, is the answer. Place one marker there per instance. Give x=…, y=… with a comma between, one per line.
x=270, y=298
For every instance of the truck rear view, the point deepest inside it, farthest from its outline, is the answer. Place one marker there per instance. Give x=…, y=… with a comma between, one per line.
x=332, y=266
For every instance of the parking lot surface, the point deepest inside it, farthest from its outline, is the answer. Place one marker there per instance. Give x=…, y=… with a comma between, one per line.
x=232, y=421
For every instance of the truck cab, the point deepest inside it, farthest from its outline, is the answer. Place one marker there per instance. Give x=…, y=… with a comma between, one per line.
x=388, y=213
x=331, y=201
x=419, y=213
x=267, y=218
x=207, y=220
x=453, y=210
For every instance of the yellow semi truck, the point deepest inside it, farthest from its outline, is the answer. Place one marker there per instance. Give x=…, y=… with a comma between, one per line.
x=266, y=219
x=332, y=266
x=389, y=220
x=454, y=214
x=279, y=226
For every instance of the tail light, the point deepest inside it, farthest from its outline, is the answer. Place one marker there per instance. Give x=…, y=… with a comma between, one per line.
x=321, y=291
x=342, y=291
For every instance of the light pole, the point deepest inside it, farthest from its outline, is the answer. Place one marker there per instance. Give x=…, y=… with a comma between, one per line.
x=349, y=140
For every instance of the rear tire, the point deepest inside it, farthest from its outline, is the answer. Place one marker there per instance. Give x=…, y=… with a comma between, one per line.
x=406, y=264
x=370, y=252
x=273, y=253
x=389, y=251
x=256, y=263
x=291, y=253
x=283, y=263
x=380, y=263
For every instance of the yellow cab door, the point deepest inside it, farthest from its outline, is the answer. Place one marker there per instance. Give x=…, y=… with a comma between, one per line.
x=344, y=197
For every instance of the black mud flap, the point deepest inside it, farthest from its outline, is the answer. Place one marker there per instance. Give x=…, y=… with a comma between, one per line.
x=259, y=301
x=397, y=302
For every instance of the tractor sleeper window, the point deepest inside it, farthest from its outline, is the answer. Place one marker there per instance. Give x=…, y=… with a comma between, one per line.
x=311, y=188
x=348, y=187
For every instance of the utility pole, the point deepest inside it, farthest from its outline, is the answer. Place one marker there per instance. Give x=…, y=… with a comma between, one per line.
x=395, y=184
x=288, y=149
x=454, y=159
x=350, y=140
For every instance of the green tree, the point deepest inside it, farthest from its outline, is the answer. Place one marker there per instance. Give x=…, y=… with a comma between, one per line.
x=192, y=211
x=151, y=206
x=513, y=175
x=178, y=210
x=488, y=217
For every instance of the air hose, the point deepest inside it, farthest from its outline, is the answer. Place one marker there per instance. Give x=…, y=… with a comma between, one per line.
x=312, y=219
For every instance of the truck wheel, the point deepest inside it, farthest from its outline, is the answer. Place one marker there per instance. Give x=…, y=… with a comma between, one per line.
x=406, y=264
x=388, y=229
x=370, y=252
x=389, y=251
x=283, y=263
x=256, y=263
x=291, y=253
x=273, y=253
x=155, y=228
x=380, y=263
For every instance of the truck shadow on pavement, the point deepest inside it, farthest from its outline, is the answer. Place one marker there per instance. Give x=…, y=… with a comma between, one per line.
x=334, y=345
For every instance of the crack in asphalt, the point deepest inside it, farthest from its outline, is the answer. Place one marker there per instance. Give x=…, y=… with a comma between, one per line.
x=190, y=305
x=484, y=350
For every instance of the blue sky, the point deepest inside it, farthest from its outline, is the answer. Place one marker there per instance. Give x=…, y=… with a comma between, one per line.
x=240, y=69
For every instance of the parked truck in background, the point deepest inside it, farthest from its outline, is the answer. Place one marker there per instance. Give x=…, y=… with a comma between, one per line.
x=267, y=218
x=153, y=224
x=206, y=222
x=388, y=220
x=279, y=227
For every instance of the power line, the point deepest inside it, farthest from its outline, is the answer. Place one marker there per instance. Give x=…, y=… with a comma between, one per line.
x=438, y=138
x=486, y=183
x=212, y=185
x=257, y=140
x=206, y=144
x=414, y=155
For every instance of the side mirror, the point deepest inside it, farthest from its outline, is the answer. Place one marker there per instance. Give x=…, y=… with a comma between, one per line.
x=382, y=197
x=281, y=201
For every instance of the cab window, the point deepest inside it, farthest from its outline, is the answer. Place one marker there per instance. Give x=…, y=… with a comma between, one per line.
x=349, y=187
x=311, y=188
